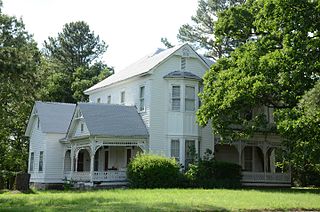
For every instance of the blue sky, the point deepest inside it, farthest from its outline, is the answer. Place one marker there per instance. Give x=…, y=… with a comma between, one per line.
x=132, y=29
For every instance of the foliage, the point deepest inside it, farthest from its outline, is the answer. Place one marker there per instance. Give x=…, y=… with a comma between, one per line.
x=273, y=68
x=19, y=59
x=301, y=129
x=164, y=200
x=153, y=171
x=72, y=63
x=166, y=43
x=201, y=31
x=210, y=173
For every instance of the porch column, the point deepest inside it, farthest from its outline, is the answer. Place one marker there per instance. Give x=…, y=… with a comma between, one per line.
x=265, y=153
x=91, y=166
x=72, y=160
x=182, y=152
x=76, y=164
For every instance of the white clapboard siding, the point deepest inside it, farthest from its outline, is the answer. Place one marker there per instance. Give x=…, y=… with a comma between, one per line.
x=37, y=144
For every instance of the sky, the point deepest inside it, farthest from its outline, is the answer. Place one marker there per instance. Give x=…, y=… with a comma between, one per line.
x=130, y=28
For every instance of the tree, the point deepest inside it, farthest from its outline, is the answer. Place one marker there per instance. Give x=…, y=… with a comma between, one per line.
x=301, y=127
x=277, y=63
x=166, y=43
x=19, y=59
x=201, y=31
x=76, y=47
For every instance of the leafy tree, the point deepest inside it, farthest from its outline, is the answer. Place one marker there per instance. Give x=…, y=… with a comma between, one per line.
x=301, y=127
x=75, y=48
x=201, y=31
x=276, y=64
x=19, y=58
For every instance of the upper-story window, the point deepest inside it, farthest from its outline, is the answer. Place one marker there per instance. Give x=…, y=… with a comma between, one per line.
x=175, y=98
x=190, y=98
x=183, y=63
x=122, y=97
x=141, y=98
x=109, y=99
x=98, y=100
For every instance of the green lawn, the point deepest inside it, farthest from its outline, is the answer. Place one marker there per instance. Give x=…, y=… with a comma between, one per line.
x=163, y=200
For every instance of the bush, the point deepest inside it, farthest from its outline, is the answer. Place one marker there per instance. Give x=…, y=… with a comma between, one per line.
x=214, y=174
x=153, y=171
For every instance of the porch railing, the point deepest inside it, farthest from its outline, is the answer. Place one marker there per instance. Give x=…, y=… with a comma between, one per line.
x=104, y=176
x=266, y=177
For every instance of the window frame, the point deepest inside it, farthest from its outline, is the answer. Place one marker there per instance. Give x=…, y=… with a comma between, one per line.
x=31, y=165
x=41, y=158
x=175, y=98
x=142, y=105
x=186, y=99
x=174, y=150
x=109, y=99
x=122, y=97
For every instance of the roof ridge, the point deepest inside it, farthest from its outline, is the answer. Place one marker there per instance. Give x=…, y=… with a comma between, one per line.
x=56, y=103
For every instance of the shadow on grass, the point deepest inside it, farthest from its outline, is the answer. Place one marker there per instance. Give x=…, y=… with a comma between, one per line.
x=288, y=190
x=97, y=204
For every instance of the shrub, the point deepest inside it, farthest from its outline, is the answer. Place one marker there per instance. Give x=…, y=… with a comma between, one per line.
x=214, y=174
x=153, y=171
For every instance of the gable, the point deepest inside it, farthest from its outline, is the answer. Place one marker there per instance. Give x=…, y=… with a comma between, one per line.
x=147, y=64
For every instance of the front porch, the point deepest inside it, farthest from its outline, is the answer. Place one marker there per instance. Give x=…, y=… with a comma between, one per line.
x=100, y=162
x=258, y=161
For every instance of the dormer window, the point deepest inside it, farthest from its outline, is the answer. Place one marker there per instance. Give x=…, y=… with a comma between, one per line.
x=81, y=127
x=183, y=63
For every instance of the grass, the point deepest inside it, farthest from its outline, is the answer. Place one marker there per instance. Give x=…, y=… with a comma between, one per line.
x=162, y=200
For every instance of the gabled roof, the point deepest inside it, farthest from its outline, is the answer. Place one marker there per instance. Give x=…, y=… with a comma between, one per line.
x=112, y=120
x=54, y=117
x=141, y=67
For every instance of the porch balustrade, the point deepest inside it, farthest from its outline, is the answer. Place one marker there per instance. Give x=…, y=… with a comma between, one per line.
x=266, y=177
x=98, y=176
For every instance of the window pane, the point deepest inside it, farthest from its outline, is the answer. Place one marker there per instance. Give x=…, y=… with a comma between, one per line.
x=31, y=161
x=190, y=105
x=175, y=104
x=123, y=97
x=175, y=91
x=175, y=149
x=183, y=63
x=190, y=92
x=109, y=99
x=141, y=104
x=41, y=161
x=142, y=92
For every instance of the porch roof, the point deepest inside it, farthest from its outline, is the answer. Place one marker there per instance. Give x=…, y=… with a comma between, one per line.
x=113, y=120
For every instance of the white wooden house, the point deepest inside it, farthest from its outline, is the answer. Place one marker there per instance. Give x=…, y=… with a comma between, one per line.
x=150, y=106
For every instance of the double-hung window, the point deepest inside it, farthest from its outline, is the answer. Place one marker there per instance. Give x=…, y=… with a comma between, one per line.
x=41, y=161
x=31, y=161
x=175, y=149
x=141, y=98
x=190, y=98
x=175, y=98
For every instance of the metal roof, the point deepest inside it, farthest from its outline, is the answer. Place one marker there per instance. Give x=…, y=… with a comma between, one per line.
x=54, y=117
x=182, y=74
x=112, y=120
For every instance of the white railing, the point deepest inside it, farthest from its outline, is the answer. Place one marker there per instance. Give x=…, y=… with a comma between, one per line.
x=103, y=176
x=266, y=177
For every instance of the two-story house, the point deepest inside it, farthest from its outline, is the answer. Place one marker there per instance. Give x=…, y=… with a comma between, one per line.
x=150, y=106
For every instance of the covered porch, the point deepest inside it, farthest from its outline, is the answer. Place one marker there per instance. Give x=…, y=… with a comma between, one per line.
x=258, y=160
x=98, y=162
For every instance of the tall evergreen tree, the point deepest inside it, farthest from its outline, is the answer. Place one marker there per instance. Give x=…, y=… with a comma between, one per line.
x=75, y=47
x=201, y=31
